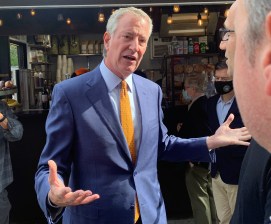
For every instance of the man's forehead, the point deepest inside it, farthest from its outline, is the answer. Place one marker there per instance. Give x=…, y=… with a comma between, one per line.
x=229, y=22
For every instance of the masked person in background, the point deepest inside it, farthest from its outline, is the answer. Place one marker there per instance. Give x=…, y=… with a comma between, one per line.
x=225, y=169
x=197, y=177
x=10, y=130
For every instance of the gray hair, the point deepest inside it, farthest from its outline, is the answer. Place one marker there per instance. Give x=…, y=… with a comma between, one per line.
x=257, y=11
x=198, y=81
x=115, y=17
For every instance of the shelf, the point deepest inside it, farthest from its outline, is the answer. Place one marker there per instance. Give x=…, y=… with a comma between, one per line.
x=40, y=63
x=38, y=46
x=192, y=55
x=76, y=55
x=8, y=92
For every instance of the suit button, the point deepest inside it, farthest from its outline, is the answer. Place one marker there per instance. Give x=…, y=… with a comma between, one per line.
x=132, y=207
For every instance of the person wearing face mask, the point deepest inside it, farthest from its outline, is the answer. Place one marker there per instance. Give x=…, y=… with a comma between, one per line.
x=197, y=177
x=225, y=169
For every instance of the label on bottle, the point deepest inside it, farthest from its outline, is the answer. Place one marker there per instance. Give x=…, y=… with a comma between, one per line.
x=196, y=48
x=44, y=98
x=202, y=48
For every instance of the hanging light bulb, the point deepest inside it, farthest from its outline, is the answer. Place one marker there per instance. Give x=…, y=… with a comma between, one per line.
x=200, y=22
x=206, y=10
x=68, y=21
x=113, y=10
x=33, y=12
x=169, y=19
x=1, y=22
x=176, y=8
x=226, y=13
x=101, y=17
x=150, y=9
x=19, y=16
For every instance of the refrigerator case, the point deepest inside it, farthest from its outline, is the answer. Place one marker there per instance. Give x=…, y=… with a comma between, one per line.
x=25, y=84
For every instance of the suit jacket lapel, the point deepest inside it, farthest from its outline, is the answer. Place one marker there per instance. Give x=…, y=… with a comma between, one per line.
x=99, y=98
x=233, y=109
x=143, y=102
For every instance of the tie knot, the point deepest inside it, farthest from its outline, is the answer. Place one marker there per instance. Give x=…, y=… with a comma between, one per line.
x=124, y=85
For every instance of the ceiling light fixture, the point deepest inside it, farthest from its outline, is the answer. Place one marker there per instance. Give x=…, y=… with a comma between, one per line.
x=169, y=19
x=1, y=22
x=206, y=10
x=101, y=17
x=68, y=21
x=199, y=31
x=176, y=8
x=226, y=13
x=200, y=22
x=19, y=16
x=33, y=12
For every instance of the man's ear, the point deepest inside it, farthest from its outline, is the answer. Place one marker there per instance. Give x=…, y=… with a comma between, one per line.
x=267, y=55
x=268, y=81
x=106, y=40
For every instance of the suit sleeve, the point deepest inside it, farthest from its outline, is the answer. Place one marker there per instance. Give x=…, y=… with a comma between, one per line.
x=172, y=148
x=57, y=147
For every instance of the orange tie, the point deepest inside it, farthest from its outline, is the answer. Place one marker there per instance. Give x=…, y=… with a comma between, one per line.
x=128, y=129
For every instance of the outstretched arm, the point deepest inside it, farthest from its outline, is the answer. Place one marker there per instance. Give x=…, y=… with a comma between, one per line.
x=224, y=135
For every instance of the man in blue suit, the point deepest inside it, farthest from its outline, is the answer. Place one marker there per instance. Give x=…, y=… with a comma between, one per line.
x=86, y=141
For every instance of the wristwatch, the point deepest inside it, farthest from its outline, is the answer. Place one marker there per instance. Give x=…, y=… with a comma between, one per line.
x=3, y=118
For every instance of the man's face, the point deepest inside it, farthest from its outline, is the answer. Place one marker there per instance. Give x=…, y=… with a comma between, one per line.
x=250, y=80
x=222, y=75
x=126, y=47
x=228, y=42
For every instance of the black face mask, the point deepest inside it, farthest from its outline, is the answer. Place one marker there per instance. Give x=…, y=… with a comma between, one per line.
x=223, y=87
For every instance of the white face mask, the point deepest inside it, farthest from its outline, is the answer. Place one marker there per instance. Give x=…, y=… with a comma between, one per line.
x=186, y=96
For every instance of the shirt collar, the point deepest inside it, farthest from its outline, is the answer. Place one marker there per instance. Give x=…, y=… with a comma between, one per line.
x=112, y=80
x=228, y=102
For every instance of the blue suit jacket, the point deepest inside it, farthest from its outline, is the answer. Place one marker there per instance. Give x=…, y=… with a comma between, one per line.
x=228, y=159
x=85, y=138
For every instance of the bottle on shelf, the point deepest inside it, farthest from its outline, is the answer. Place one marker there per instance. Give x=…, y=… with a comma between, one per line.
x=41, y=79
x=45, y=98
x=190, y=46
x=196, y=48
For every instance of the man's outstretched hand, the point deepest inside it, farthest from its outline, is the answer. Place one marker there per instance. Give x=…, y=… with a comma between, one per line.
x=62, y=196
x=225, y=136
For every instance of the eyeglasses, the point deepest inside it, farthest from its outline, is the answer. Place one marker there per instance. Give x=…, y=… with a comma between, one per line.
x=225, y=34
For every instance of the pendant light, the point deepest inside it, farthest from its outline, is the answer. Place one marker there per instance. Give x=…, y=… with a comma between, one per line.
x=176, y=8
x=200, y=22
x=169, y=19
x=68, y=21
x=32, y=12
x=101, y=17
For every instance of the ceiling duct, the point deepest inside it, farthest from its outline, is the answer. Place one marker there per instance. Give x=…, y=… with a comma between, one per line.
x=186, y=24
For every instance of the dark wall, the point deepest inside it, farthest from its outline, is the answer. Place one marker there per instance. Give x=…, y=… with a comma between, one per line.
x=25, y=155
x=4, y=55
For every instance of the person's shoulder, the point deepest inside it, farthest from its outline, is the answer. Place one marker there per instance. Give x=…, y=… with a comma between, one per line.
x=213, y=98
x=145, y=81
x=79, y=80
